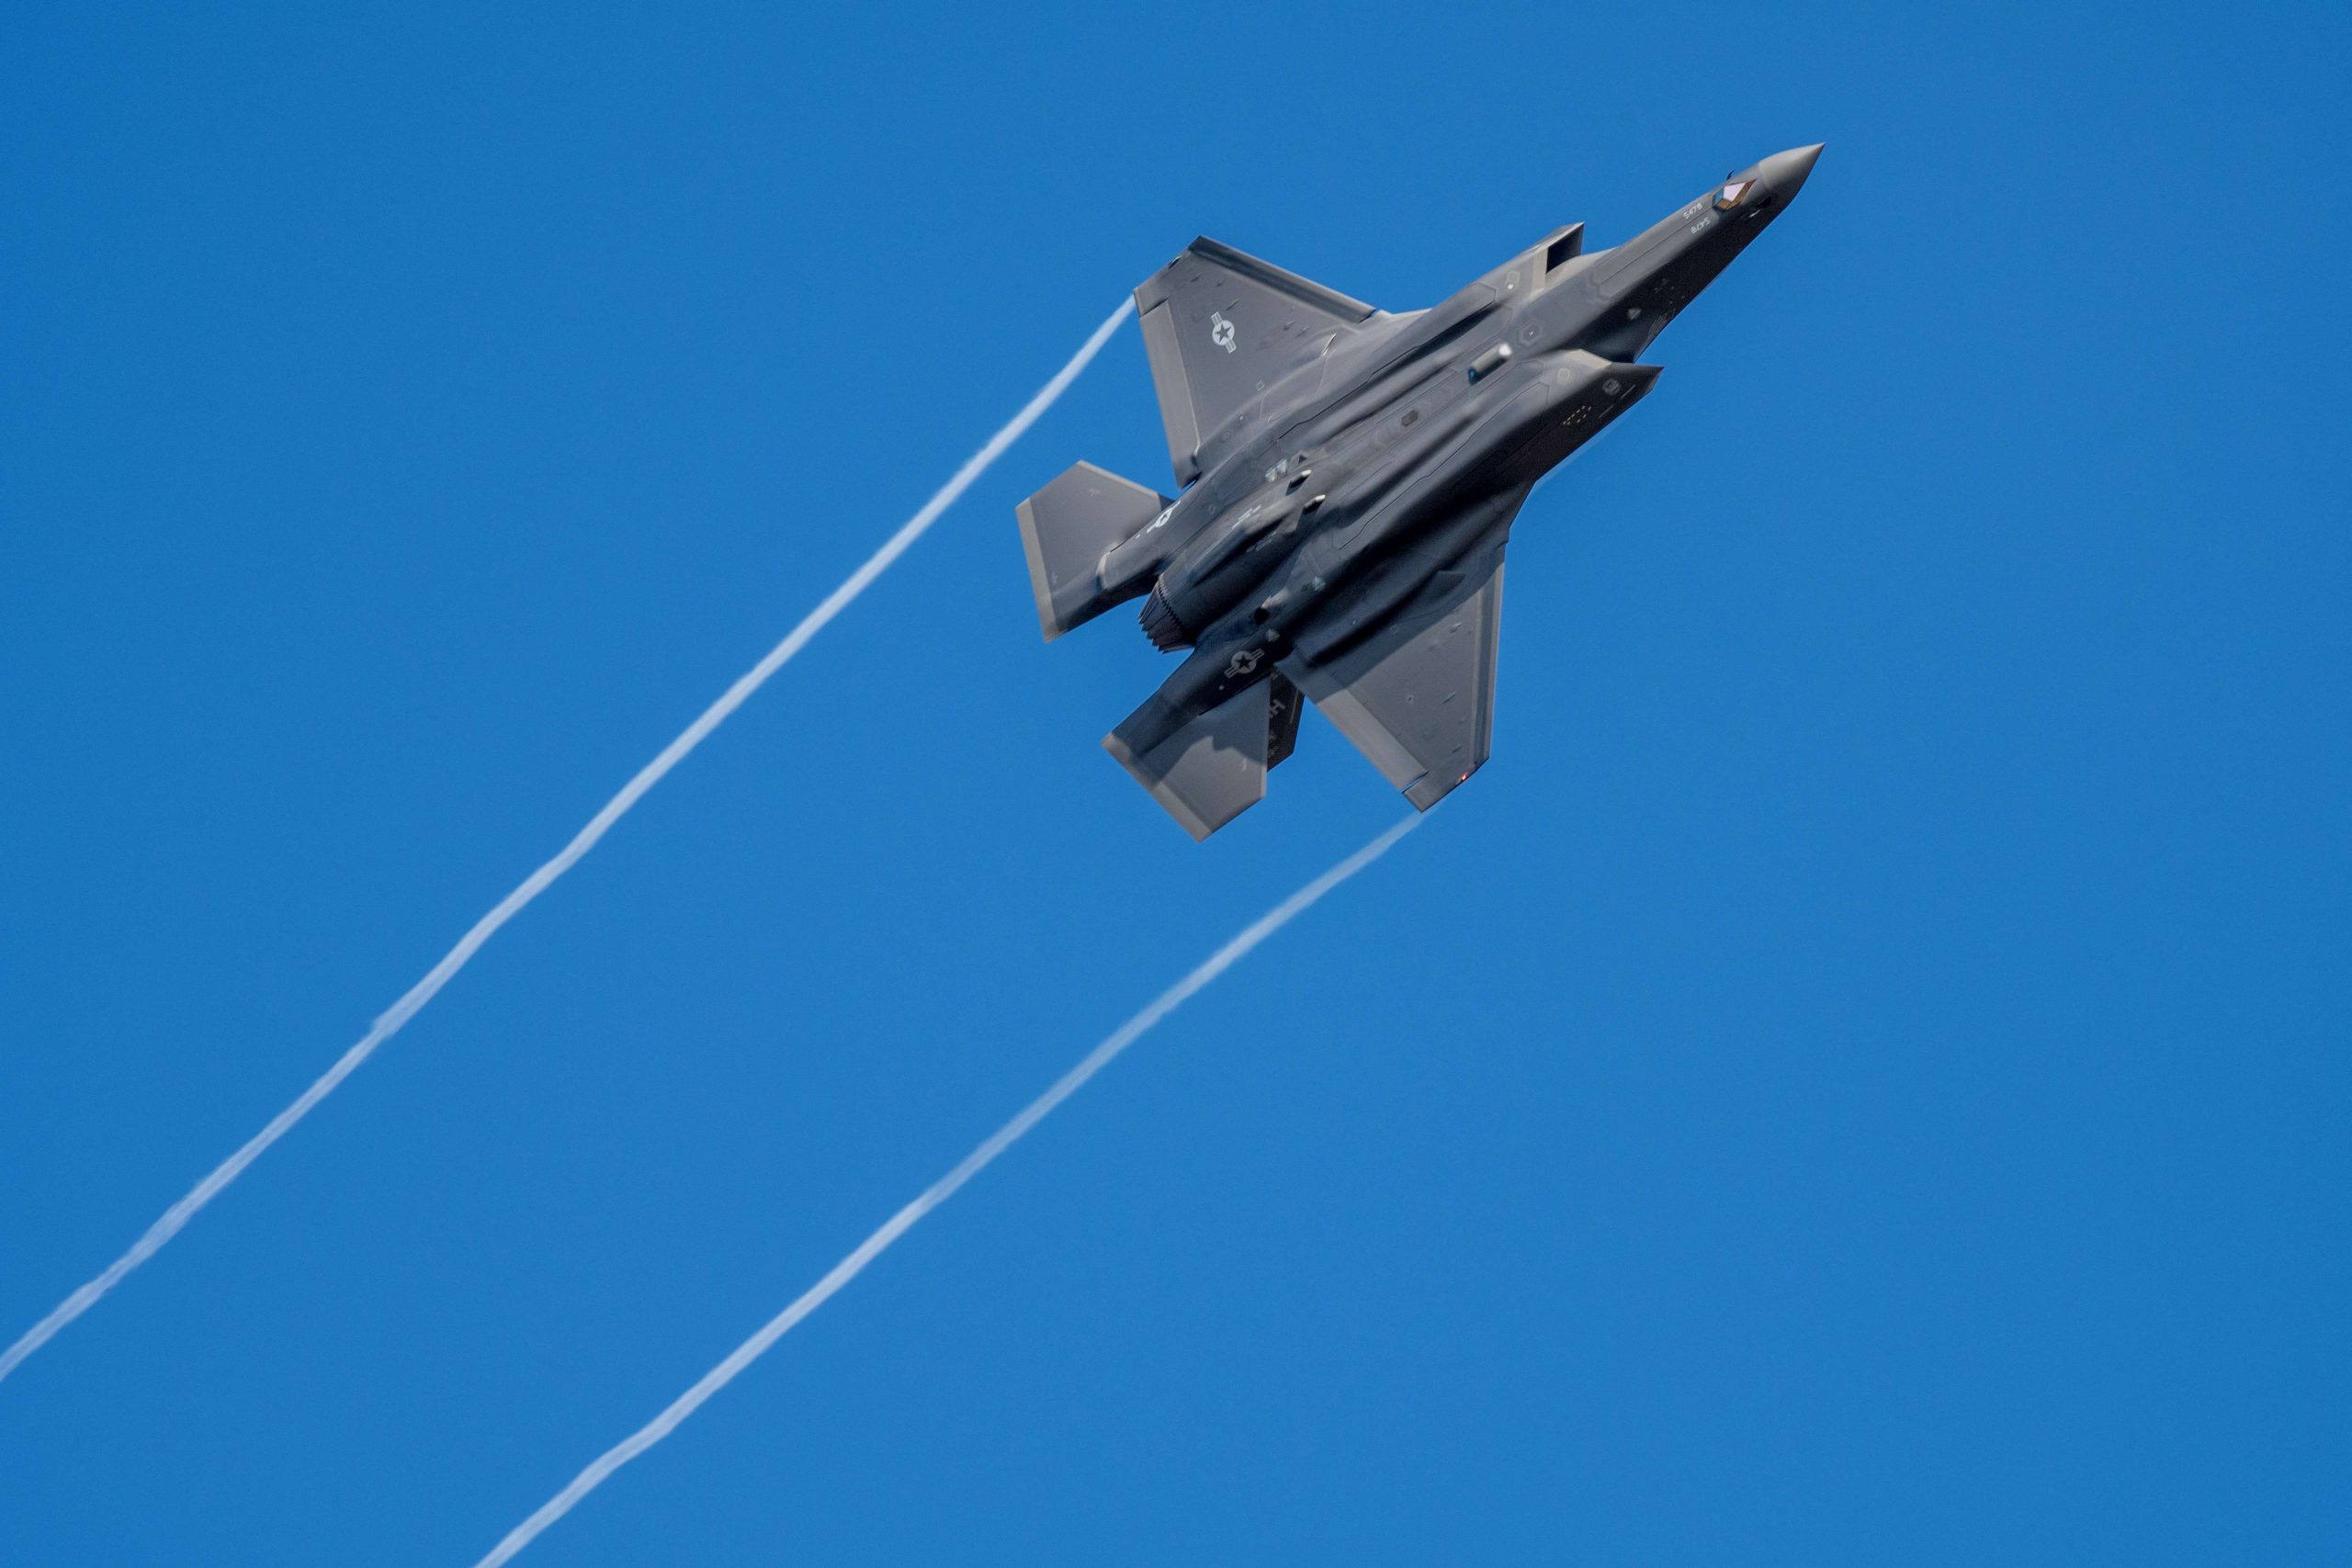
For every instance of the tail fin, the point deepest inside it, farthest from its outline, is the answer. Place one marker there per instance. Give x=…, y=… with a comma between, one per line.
x=1068, y=527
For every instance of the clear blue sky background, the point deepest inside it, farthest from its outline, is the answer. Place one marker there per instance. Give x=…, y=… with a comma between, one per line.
x=1861, y=1076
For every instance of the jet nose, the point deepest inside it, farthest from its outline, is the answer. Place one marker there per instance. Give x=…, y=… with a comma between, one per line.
x=1786, y=172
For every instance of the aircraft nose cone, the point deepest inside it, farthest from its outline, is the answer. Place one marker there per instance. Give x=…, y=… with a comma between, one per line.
x=1786, y=171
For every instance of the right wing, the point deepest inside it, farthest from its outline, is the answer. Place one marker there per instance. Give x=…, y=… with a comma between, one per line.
x=1221, y=327
x=1418, y=695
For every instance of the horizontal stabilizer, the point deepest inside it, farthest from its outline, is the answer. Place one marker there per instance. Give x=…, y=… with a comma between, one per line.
x=1068, y=527
x=1212, y=769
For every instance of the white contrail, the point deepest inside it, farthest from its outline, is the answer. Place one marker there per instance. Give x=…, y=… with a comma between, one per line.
x=939, y=1191
x=424, y=990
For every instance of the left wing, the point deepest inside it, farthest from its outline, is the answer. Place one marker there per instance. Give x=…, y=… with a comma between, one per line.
x=1416, y=696
x=1221, y=327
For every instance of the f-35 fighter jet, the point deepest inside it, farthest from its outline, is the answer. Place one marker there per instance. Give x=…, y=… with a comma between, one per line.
x=1349, y=478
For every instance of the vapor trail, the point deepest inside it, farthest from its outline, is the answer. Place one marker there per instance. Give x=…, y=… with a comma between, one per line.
x=939, y=1191
x=539, y=882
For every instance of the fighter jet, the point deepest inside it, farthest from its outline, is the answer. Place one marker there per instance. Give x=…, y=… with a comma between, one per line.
x=1348, y=480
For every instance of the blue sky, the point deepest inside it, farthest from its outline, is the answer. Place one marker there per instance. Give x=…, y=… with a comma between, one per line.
x=1861, y=1075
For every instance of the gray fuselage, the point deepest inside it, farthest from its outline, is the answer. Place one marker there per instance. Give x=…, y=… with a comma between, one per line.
x=1407, y=443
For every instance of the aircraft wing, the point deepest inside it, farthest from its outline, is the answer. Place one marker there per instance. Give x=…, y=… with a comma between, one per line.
x=1416, y=696
x=1220, y=328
